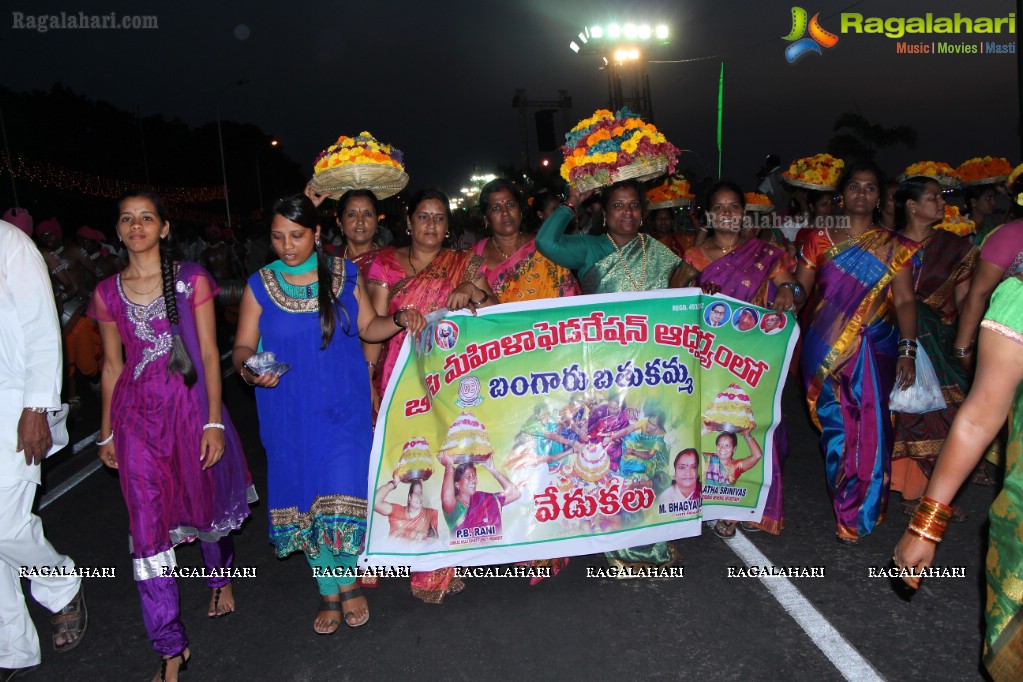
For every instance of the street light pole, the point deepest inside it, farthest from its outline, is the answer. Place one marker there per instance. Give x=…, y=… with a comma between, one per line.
x=220, y=141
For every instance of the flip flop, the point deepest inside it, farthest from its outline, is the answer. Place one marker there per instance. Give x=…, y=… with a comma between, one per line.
x=751, y=527
x=348, y=596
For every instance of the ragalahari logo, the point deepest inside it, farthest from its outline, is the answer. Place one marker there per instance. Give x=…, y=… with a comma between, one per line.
x=818, y=36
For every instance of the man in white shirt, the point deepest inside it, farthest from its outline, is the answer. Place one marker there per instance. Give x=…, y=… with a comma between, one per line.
x=30, y=375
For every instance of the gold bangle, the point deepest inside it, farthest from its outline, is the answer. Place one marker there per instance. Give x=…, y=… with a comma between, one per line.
x=923, y=536
x=933, y=503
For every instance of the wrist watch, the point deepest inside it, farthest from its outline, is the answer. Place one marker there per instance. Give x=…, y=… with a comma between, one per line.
x=797, y=291
x=37, y=410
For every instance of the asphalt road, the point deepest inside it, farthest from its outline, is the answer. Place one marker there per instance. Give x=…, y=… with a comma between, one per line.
x=704, y=625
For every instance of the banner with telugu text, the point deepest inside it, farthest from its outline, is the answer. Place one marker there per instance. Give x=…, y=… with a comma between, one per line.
x=577, y=425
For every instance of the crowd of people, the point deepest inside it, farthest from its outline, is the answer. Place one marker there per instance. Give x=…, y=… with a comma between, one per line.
x=872, y=291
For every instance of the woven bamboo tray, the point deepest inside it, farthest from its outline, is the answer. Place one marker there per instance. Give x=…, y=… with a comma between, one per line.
x=384, y=181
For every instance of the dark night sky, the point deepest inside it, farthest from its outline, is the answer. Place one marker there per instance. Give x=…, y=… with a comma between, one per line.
x=437, y=78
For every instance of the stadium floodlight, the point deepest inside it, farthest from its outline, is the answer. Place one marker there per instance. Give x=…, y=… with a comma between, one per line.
x=662, y=32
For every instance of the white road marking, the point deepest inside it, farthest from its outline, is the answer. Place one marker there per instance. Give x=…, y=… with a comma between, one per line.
x=67, y=485
x=850, y=663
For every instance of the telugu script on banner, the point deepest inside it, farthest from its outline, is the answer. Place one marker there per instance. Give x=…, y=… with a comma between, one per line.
x=577, y=425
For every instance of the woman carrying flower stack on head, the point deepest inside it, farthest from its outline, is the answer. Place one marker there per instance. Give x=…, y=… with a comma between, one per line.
x=942, y=268
x=163, y=426
x=515, y=270
x=425, y=276
x=622, y=260
x=357, y=216
x=734, y=262
x=862, y=339
x=310, y=310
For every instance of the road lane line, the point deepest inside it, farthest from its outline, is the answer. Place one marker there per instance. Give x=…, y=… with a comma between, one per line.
x=850, y=663
x=70, y=483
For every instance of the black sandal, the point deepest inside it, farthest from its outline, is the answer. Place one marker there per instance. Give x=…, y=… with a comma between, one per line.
x=181, y=668
x=348, y=596
x=217, y=613
x=72, y=620
x=333, y=623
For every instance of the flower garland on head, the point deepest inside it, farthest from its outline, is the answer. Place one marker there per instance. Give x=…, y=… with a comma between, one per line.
x=982, y=168
x=605, y=142
x=363, y=148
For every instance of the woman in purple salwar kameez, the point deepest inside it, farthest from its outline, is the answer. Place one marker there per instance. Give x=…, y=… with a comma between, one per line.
x=180, y=463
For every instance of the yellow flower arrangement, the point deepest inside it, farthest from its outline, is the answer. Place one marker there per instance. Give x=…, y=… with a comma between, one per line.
x=361, y=149
x=955, y=223
x=599, y=115
x=822, y=170
x=982, y=168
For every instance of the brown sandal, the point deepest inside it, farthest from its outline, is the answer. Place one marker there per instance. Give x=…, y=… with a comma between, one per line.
x=725, y=529
x=71, y=621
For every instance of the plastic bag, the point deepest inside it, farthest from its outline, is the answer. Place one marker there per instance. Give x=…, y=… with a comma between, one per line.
x=925, y=393
x=266, y=361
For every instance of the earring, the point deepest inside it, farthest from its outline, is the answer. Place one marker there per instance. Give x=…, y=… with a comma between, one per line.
x=447, y=234
x=318, y=245
x=408, y=231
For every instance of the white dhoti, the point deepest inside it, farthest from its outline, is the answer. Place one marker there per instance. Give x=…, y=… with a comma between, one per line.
x=22, y=544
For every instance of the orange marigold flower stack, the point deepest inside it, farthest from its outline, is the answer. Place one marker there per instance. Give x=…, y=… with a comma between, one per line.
x=982, y=170
x=674, y=191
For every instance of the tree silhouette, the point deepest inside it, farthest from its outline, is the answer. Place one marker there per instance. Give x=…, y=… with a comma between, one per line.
x=856, y=138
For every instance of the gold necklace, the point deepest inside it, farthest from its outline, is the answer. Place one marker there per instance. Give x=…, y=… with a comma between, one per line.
x=505, y=256
x=642, y=281
x=141, y=293
x=723, y=249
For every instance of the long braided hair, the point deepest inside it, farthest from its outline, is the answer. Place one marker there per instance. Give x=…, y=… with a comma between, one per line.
x=300, y=210
x=180, y=362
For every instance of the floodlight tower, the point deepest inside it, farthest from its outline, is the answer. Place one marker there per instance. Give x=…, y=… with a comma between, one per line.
x=623, y=48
